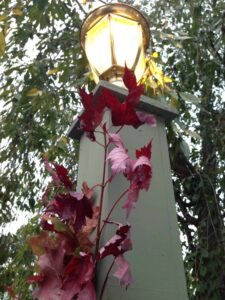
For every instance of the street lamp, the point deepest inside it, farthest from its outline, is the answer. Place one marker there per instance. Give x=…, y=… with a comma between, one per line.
x=114, y=35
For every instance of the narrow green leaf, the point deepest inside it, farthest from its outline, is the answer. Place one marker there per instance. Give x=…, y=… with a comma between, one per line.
x=2, y=43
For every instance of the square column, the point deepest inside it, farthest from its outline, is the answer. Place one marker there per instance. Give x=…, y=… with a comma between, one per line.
x=156, y=259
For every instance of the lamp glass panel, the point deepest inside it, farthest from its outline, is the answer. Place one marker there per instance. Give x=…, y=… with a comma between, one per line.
x=98, y=48
x=127, y=38
x=140, y=67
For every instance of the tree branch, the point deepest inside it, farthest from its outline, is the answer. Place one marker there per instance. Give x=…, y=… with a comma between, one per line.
x=81, y=7
x=191, y=220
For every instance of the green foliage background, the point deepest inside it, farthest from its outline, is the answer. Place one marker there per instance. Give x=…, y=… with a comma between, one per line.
x=39, y=98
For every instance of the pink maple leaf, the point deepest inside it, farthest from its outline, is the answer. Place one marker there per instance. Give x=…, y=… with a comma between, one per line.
x=123, y=272
x=64, y=277
x=146, y=118
x=87, y=292
x=138, y=172
x=118, y=157
x=49, y=280
x=132, y=199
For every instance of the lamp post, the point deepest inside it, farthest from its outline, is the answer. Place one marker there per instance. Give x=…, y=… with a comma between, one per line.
x=111, y=36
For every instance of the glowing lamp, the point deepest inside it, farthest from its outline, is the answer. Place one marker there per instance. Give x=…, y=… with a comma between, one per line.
x=114, y=35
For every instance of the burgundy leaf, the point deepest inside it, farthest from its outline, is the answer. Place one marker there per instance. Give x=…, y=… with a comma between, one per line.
x=118, y=244
x=73, y=207
x=63, y=279
x=62, y=173
x=77, y=277
x=59, y=175
x=92, y=116
x=123, y=113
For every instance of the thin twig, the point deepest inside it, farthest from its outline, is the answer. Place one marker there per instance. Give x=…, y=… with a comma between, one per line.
x=112, y=208
x=106, y=279
x=99, y=144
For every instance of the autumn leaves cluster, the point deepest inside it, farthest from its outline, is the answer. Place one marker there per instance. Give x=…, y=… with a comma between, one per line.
x=67, y=249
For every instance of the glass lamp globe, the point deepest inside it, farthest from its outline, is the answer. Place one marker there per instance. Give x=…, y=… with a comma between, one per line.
x=114, y=35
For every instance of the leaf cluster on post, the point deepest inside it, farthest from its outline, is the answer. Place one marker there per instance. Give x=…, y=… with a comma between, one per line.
x=67, y=255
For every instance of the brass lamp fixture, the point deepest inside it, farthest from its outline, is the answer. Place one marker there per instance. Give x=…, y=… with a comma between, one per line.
x=114, y=35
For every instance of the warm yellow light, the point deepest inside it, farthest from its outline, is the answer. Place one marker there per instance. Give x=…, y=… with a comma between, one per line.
x=112, y=36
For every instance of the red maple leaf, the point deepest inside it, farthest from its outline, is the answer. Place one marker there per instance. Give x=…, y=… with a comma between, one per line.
x=125, y=113
x=145, y=151
x=64, y=233
x=122, y=113
x=129, y=79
